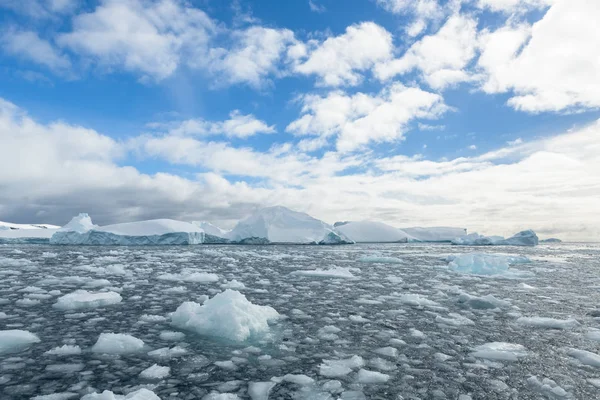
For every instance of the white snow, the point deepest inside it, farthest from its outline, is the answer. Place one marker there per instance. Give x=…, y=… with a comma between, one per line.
x=82, y=299
x=483, y=263
x=65, y=350
x=282, y=225
x=335, y=272
x=372, y=232
x=228, y=315
x=155, y=372
x=81, y=231
x=500, y=351
x=11, y=226
x=548, y=323
x=523, y=238
x=366, y=376
x=140, y=394
x=585, y=357
x=17, y=235
x=15, y=340
x=117, y=343
x=435, y=234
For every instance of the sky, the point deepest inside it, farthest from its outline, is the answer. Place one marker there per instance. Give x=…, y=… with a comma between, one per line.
x=481, y=114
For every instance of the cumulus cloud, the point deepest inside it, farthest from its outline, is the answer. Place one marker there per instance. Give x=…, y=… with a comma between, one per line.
x=553, y=65
x=29, y=46
x=359, y=119
x=339, y=60
x=441, y=58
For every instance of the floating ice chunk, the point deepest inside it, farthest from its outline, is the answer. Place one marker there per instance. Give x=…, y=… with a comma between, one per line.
x=500, y=351
x=226, y=365
x=228, y=314
x=547, y=387
x=55, y=396
x=593, y=335
x=299, y=379
x=117, y=343
x=66, y=350
x=454, y=320
x=417, y=300
x=523, y=285
x=16, y=340
x=585, y=357
x=260, y=390
x=380, y=259
x=483, y=263
x=189, y=275
x=335, y=272
x=82, y=299
x=165, y=352
x=388, y=351
x=365, y=376
x=233, y=284
x=339, y=368
x=548, y=323
x=487, y=302
x=155, y=372
x=172, y=336
x=220, y=396
x=141, y=394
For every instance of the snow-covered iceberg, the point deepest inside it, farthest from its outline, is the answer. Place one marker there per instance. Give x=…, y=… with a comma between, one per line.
x=372, y=232
x=26, y=233
x=228, y=314
x=435, y=234
x=210, y=229
x=524, y=238
x=282, y=225
x=81, y=231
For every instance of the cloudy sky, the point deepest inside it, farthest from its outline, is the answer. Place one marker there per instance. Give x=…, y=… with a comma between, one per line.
x=474, y=113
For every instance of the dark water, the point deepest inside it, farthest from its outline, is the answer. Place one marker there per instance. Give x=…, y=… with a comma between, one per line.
x=370, y=312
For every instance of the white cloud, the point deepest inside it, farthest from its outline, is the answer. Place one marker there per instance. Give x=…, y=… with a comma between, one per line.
x=359, y=119
x=238, y=125
x=28, y=45
x=139, y=36
x=441, y=58
x=40, y=8
x=339, y=60
x=554, y=65
x=318, y=8
x=513, y=6
x=254, y=56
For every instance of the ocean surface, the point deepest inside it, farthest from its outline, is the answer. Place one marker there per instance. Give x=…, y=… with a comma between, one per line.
x=390, y=322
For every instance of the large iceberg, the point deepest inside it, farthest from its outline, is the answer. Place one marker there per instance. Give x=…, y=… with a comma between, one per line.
x=524, y=238
x=80, y=230
x=282, y=225
x=228, y=314
x=372, y=232
x=25, y=233
x=210, y=229
x=435, y=234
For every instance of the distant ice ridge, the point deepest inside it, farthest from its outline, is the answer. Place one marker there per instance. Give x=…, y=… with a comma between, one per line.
x=228, y=314
x=25, y=233
x=435, y=234
x=372, y=232
x=483, y=263
x=524, y=238
x=81, y=231
x=282, y=225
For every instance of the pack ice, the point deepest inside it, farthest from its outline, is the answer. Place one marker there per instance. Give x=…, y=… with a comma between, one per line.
x=228, y=314
x=524, y=238
x=483, y=263
x=282, y=225
x=81, y=231
x=15, y=339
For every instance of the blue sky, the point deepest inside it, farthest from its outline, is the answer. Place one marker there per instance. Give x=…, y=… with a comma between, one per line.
x=361, y=109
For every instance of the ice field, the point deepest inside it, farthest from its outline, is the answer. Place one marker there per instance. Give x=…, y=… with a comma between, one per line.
x=380, y=321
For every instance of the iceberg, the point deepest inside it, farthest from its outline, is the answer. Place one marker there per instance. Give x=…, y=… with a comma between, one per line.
x=524, y=238
x=483, y=263
x=551, y=240
x=81, y=231
x=435, y=234
x=14, y=340
x=282, y=225
x=228, y=314
x=372, y=232
x=210, y=229
x=26, y=236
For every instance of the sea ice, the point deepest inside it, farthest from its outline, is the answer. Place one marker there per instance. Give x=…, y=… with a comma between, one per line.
x=548, y=323
x=228, y=314
x=548, y=388
x=117, y=343
x=483, y=263
x=500, y=351
x=140, y=394
x=82, y=299
x=14, y=340
x=486, y=302
x=524, y=238
x=189, y=275
x=366, y=376
x=340, y=368
x=65, y=350
x=260, y=390
x=585, y=357
x=155, y=372
x=335, y=272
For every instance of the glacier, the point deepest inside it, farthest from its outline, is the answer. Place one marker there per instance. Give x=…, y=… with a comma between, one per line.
x=372, y=232
x=523, y=238
x=281, y=225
